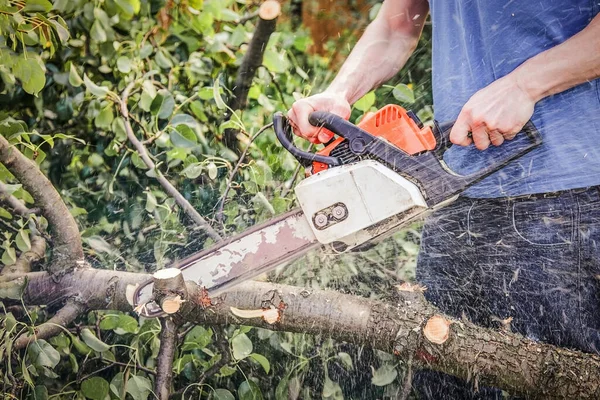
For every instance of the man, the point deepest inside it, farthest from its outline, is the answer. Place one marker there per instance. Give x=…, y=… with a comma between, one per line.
x=524, y=244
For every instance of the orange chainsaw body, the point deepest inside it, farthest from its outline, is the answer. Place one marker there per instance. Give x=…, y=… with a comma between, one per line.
x=393, y=124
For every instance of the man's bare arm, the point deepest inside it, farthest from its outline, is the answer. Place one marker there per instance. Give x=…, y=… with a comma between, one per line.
x=380, y=53
x=491, y=118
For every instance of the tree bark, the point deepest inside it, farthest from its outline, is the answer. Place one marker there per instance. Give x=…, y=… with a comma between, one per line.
x=253, y=59
x=166, y=354
x=67, y=251
x=503, y=359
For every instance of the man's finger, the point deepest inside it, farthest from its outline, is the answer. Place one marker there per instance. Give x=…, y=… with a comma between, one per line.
x=301, y=111
x=460, y=133
x=496, y=137
x=481, y=137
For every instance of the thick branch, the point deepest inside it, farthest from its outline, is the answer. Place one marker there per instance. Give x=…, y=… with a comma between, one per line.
x=67, y=250
x=53, y=326
x=166, y=354
x=164, y=182
x=267, y=21
x=501, y=359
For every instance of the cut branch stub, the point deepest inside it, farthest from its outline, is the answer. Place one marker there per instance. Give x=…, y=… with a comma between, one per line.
x=269, y=10
x=437, y=329
x=169, y=289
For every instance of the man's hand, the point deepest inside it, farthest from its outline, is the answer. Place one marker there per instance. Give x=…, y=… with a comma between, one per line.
x=326, y=101
x=493, y=114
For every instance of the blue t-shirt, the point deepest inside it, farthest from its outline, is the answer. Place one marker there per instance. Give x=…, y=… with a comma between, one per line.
x=478, y=41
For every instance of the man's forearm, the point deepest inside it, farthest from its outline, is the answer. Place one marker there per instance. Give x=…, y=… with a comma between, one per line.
x=575, y=61
x=382, y=50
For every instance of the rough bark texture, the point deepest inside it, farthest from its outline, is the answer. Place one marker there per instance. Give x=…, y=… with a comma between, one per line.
x=489, y=357
x=166, y=353
x=67, y=251
x=250, y=63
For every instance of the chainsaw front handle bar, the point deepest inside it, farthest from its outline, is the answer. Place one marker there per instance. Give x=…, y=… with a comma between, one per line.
x=283, y=131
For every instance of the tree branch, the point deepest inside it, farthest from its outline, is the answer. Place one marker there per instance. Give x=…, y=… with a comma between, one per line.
x=36, y=253
x=164, y=182
x=53, y=326
x=17, y=205
x=268, y=13
x=502, y=359
x=67, y=251
x=166, y=354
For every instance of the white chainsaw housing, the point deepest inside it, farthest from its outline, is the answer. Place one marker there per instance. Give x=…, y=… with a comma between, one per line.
x=373, y=197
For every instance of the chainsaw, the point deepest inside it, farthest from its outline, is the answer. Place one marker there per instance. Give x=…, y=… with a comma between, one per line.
x=370, y=180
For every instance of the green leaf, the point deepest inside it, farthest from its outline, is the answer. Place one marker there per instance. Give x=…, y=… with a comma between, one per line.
x=74, y=78
x=116, y=384
x=192, y=171
x=332, y=390
x=31, y=72
x=5, y=214
x=276, y=62
x=212, y=171
x=242, y=346
x=42, y=354
x=91, y=340
x=40, y=393
x=138, y=387
x=183, y=136
x=365, y=102
x=217, y=96
x=248, y=390
x=10, y=189
x=22, y=241
x=222, y=394
x=137, y=161
x=150, y=202
x=98, y=33
x=262, y=360
x=163, y=60
x=98, y=91
x=403, y=93
x=124, y=64
x=32, y=6
x=345, y=359
x=104, y=118
x=9, y=257
x=163, y=104
x=197, y=339
x=95, y=388
x=384, y=375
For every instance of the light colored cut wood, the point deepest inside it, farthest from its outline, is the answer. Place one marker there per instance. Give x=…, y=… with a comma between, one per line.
x=437, y=329
x=269, y=10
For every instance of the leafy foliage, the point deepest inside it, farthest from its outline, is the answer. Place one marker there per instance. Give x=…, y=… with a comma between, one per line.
x=63, y=68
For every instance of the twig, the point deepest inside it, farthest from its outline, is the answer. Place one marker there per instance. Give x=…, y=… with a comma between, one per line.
x=71, y=310
x=28, y=258
x=277, y=87
x=407, y=380
x=286, y=189
x=166, y=354
x=17, y=205
x=248, y=17
x=165, y=183
x=112, y=363
x=235, y=170
x=67, y=248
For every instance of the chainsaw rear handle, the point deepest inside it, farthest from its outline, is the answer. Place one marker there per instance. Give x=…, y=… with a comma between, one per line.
x=283, y=131
x=441, y=131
